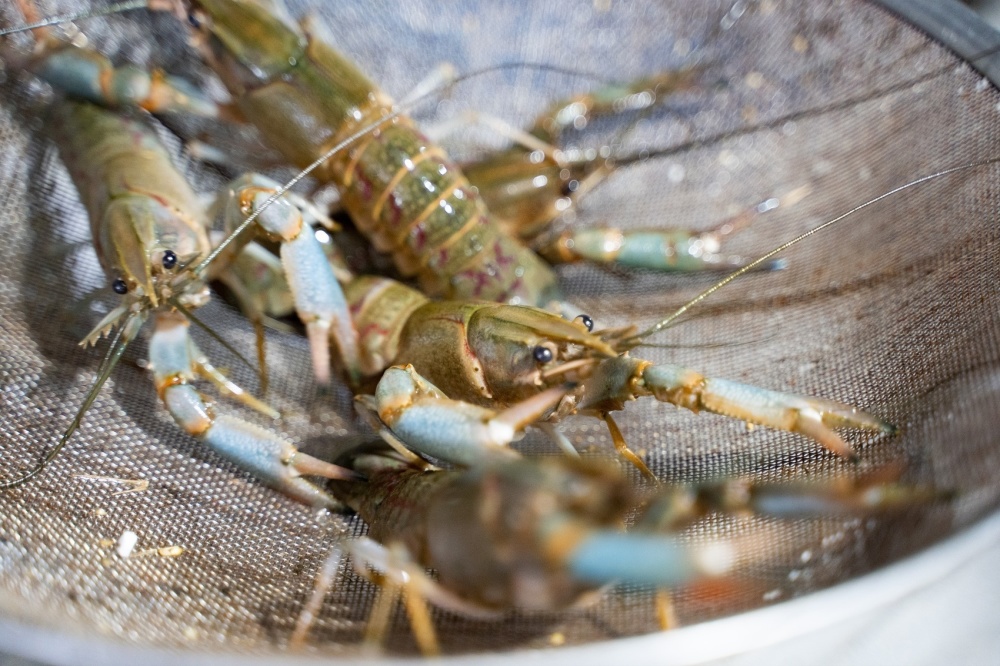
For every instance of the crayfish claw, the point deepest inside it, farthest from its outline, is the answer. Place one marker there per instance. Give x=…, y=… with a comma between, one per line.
x=813, y=417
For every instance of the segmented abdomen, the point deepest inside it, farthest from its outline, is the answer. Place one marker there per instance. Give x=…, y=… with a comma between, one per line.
x=400, y=189
x=380, y=308
x=413, y=202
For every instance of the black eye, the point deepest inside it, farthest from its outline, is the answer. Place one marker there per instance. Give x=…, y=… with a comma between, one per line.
x=587, y=321
x=542, y=354
x=193, y=20
x=169, y=259
x=120, y=286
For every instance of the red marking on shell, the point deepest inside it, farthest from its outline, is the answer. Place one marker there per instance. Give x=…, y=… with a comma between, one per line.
x=372, y=329
x=395, y=205
x=501, y=259
x=419, y=235
x=442, y=256
x=363, y=186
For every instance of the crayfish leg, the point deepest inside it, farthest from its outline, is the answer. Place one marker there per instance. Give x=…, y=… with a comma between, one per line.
x=393, y=571
x=324, y=581
x=86, y=74
x=669, y=250
x=205, y=369
x=624, y=378
x=666, y=614
x=611, y=99
x=560, y=439
x=378, y=622
x=420, y=622
x=621, y=446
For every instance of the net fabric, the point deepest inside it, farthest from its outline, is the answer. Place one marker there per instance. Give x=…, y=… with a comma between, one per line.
x=895, y=311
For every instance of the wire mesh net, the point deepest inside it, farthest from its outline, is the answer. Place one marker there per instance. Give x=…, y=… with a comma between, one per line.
x=896, y=310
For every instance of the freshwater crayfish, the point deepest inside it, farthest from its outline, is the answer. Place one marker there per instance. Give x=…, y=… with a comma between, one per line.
x=549, y=534
x=401, y=190
x=831, y=376
x=150, y=234
x=512, y=357
x=151, y=237
x=463, y=361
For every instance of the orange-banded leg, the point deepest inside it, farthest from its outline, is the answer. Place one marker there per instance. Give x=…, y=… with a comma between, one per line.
x=531, y=184
x=266, y=455
x=256, y=280
x=611, y=99
x=620, y=379
x=665, y=250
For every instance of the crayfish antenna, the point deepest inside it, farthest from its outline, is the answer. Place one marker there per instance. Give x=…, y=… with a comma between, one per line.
x=125, y=335
x=664, y=323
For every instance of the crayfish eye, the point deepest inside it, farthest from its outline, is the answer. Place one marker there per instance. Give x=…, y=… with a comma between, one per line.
x=120, y=286
x=542, y=354
x=169, y=259
x=587, y=321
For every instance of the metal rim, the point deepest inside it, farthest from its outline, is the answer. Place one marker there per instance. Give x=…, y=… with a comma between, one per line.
x=955, y=26
x=697, y=644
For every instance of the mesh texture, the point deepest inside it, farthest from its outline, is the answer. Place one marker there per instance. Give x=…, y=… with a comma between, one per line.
x=896, y=310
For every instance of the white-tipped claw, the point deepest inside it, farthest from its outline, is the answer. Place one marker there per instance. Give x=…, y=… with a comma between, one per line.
x=425, y=420
x=318, y=332
x=813, y=417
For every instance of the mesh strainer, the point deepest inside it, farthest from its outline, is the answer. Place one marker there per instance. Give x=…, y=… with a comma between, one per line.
x=896, y=311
